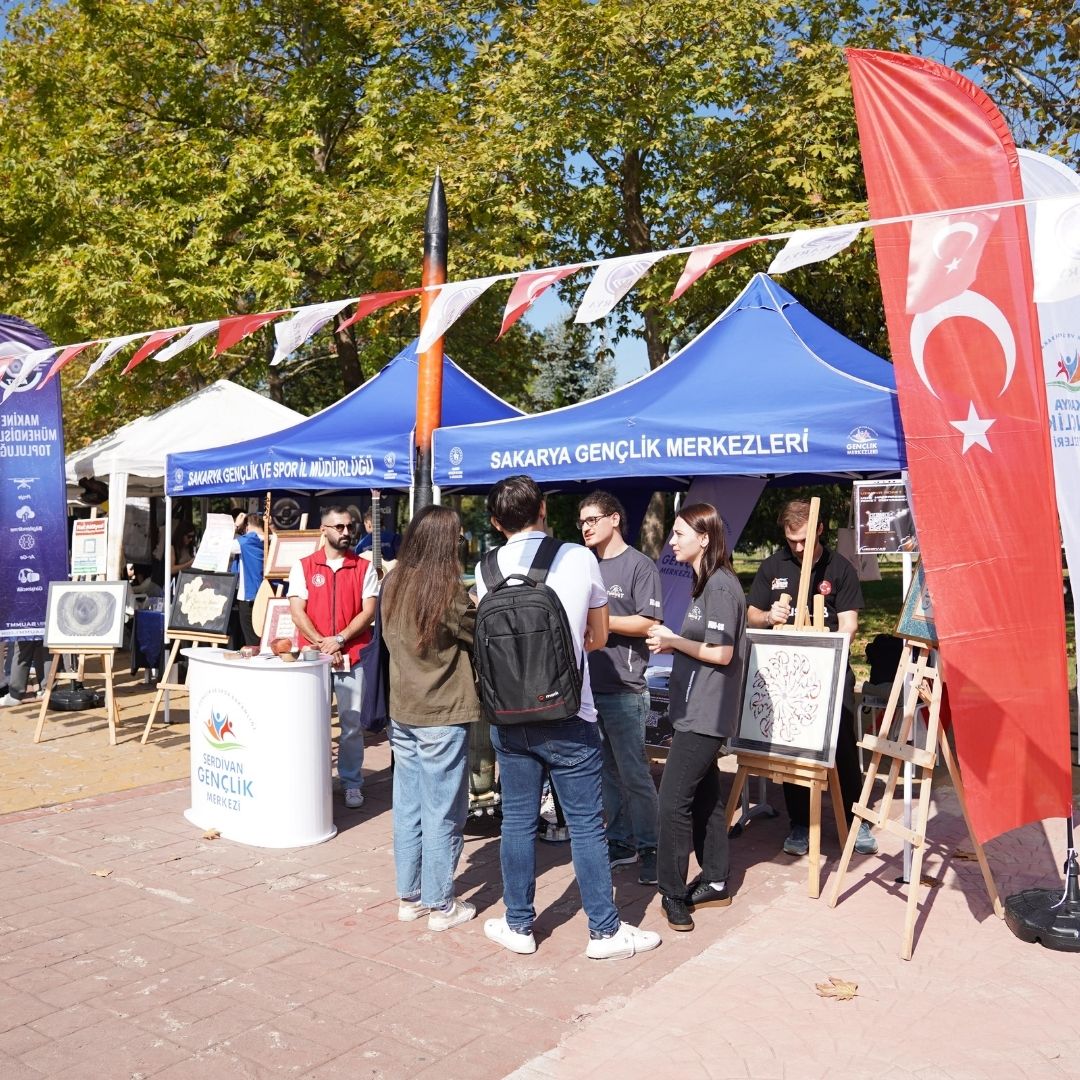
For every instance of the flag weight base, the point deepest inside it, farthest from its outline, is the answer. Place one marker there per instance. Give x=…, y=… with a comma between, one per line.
x=1045, y=916
x=75, y=699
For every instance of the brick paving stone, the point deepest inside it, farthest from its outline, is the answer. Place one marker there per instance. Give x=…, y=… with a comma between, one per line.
x=269, y=1045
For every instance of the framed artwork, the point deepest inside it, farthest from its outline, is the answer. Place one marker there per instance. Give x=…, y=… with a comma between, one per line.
x=278, y=623
x=201, y=603
x=86, y=614
x=793, y=695
x=287, y=548
x=883, y=520
x=917, y=617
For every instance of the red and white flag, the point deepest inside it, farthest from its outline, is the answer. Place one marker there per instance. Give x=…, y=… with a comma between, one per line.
x=613, y=279
x=154, y=341
x=451, y=303
x=528, y=289
x=813, y=245
x=374, y=301
x=292, y=333
x=237, y=327
x=973, y=402
x=65, y=358
x=705, y=258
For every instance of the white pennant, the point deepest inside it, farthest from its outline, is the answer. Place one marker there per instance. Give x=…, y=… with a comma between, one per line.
x=195, y=333
x=30, y=362
x=1055, y=252
x=292, y=333
x=451, y=303
x=112, y=347
x=814, y=245
x=613, y=279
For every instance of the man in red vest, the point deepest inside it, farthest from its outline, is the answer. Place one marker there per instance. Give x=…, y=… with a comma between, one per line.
x=332, y=601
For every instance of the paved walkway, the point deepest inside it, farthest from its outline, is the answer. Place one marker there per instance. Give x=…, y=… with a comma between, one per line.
x=131, y=946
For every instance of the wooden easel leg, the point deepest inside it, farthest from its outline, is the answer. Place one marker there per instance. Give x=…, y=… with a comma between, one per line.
x=980, y=853
x=914, y=885
x=849, y=842
x=814, y=870
x=161, y=691
x=110, y=699
x=838, y=808
x=736, y=792
x=48, y=694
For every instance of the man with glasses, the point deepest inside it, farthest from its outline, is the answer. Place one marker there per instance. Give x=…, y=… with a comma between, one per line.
x=617, y=674
x=332, y=602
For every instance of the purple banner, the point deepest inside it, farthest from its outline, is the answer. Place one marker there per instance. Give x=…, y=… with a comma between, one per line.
x=33, y=496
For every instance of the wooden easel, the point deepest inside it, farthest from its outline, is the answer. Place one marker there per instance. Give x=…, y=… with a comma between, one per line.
x=802, y=773
x=164, y=686
x=111, y=708
x=925, y=685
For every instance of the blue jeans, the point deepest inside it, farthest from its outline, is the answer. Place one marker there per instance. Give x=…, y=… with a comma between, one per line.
x=630, y=803
x=569, y=752
x=431, y=803
x=349, y=689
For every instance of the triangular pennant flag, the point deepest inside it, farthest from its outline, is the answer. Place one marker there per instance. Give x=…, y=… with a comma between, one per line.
x=28, y=364
x=111, y=349
x=292, y=333
x=813, y=245
x=235, y=329
x=1056, y=250
x=528, y=289
x=705, y=258
x=451, y=303
x=613, y=279
x=65, y=358
x=154, y=341
x=195, y=333
x=943, y=256
x=373, y=301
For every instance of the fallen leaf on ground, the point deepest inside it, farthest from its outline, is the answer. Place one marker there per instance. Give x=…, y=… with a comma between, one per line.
x=101, y=873
x=930, y=882
x=211, y=834
x=840, y=989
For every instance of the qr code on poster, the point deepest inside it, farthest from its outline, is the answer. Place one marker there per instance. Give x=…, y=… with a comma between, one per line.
x=879, y=521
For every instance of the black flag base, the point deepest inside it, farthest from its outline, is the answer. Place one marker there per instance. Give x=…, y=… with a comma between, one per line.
x=75, y=698
x=1046, y=916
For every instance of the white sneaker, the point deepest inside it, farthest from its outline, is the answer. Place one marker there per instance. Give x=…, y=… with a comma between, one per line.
x=411, y=910
x=354, y=798
x=460, y=912
x=498, y=931
x=625, y=942
x=8, y=700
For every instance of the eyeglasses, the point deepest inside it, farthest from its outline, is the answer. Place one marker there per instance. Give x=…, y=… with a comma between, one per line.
x=346, y=527
x=590, y=522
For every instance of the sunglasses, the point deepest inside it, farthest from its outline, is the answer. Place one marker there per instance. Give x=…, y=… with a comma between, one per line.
x=347, y=527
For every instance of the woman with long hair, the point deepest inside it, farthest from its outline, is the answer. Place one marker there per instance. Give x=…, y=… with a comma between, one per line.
x=709, y=658
x=183, y=547
x=428, y=623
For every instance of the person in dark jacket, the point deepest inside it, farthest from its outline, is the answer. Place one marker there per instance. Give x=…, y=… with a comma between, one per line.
x=428, y=624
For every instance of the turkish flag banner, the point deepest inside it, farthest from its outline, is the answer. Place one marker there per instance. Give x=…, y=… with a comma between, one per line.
x=964, y=336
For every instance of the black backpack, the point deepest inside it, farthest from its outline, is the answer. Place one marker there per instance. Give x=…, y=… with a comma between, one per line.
x=523, y=651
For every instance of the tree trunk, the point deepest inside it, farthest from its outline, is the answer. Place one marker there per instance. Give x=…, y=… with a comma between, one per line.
x=653, y=530
x=352, y=374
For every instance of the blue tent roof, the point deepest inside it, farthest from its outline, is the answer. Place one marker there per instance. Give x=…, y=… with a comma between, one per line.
x=364, y=440
x=766, y=389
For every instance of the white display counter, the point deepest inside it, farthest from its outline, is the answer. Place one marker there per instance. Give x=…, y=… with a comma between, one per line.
x=260, y=749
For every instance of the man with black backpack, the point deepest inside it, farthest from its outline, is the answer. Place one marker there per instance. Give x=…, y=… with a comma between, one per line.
x=542, y=606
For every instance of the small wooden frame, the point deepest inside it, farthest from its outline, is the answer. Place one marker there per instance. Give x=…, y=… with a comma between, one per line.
x=164, y=686
x=107, y=657
x=925, y=685
x=287, y=548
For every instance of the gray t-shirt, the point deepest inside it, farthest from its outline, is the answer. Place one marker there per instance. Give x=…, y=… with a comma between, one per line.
x=633, y=588
x=705, y=698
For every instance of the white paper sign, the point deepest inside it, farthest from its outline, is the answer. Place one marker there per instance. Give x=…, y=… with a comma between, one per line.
x=89, y=547
x=215, y=548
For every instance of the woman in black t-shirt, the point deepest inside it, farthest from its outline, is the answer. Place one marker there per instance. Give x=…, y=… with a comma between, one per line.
x=706, y=682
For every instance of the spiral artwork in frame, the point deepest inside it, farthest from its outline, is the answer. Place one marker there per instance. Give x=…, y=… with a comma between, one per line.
x=86, y=615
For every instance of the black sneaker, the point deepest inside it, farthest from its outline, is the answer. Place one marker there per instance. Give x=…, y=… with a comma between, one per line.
x=647, y=870
x=704, y=895
x=620, y=854
x=677, y=913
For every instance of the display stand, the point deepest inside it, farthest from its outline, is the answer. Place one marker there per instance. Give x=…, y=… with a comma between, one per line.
x=164, y=686
x=917, y=661
x=107, y=656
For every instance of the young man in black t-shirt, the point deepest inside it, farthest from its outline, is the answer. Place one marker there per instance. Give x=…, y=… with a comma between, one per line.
x=834, y=578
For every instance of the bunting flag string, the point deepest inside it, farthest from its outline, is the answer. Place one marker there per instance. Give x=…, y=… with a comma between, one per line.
x=615, y=277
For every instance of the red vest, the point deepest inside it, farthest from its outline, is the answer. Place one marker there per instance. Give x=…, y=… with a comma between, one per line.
x=335, y=598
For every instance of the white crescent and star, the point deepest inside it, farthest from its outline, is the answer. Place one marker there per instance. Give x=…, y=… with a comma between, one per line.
x=965, y=228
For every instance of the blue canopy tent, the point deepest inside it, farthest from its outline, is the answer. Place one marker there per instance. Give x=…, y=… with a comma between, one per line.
x=364, y=440
x=766, y=390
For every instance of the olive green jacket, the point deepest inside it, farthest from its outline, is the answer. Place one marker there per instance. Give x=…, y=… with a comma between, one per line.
x=434, y=687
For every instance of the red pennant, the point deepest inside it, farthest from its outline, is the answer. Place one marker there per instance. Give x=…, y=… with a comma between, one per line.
x=66, y=357
x=235, y=329
x=365, y=305
x=705, y=258
x=528, y=289
x=152, y=343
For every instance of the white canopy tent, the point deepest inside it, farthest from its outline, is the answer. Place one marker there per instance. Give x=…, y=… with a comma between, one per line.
x=132, y=458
